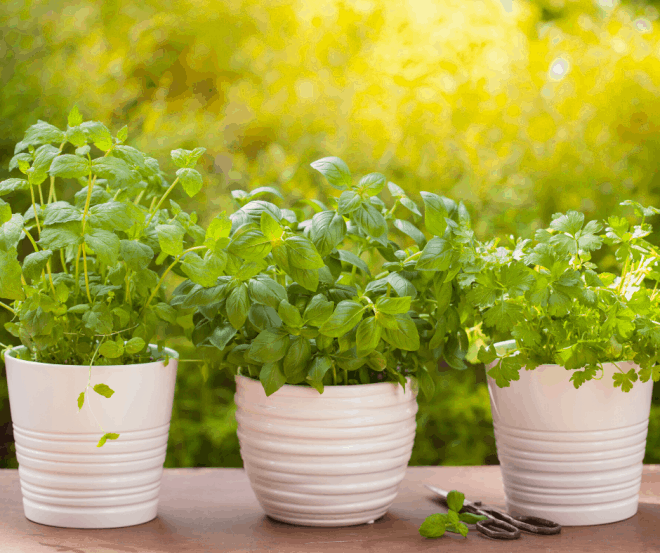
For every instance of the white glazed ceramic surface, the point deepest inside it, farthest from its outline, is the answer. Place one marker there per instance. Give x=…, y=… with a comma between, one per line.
x=570, y=455
x=335, y=459
x=65, y=479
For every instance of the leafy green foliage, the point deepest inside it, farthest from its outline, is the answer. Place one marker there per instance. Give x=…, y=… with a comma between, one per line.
x=87, y=287
x=305, y=306
x=560, y=308
x=435, y=526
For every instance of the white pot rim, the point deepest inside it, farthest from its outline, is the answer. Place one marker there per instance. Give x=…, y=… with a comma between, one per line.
x=331, y=391
x=511, y=345
x=8, y=353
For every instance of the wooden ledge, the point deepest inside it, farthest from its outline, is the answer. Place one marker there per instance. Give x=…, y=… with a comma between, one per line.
x=209, y=510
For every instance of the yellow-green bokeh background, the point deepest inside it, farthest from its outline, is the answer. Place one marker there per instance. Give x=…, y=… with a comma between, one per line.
x=520, y=108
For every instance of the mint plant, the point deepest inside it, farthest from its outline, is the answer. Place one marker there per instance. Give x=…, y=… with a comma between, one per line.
x=561, y=308
x=96, y=247
x=455, y=521
x=339, y=294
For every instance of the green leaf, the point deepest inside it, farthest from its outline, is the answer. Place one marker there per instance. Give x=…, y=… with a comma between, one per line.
x=272, y=378
x=269, y=346
x=289, y=314
x=103, y=389
x=165, y=312
x=369, y=219
x=327, y=231
x=352, y=259
x=263, y=317
x=434, y=526
x=405, y=336
x=203, y=272
x=348, y=202
x=222, y=335
x=318, y=310
x=266, y=291
x=625, y=380
x=42, y=133
x=367, y=336
x=296, y=358
x=401, y=285
x=335, y=171
x=410, y=206
x=68, y=166
x=459, y=528
x=61, y=236
x=470, y=518
x=81, y=400
x=122, y=134
x=302, y=254
x=434, y=214
x=504, y=371
x=319, y=367
x=238, y=304
x=191, y=180
x=411, y=230
x=134, y=345
x=372, y=184
x=426, y=384
x=98, y=319
x=393, y=306
x=270, y=228
x=111, y=350
x=113, y=168
x=502, y=316
x=570, y=223
x=74, y=119
x=347, y=314
x=99, y=134
x=11, y=286
x=61, y=212
x=170, y=239
x=136, y=255
x=455, y=500
x=34, y=263
x=217, y=233
x=111, y=216
x=436, y=256
x=249, y=243
x=105, y=245
x=106, y=437
x=13, y=184
x=10, y=232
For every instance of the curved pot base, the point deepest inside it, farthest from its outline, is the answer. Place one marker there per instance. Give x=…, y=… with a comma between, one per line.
x=335, y=459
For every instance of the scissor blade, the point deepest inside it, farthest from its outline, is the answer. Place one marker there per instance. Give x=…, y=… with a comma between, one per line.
x=443, y=493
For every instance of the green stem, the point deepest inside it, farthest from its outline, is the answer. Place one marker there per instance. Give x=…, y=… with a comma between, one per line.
x=162, y=278
x=77, y=270
x=89, y=296
x=34, y=244
x=128, y=288
x=7, y=307
x=34, y=208
x=63, y=262
x=334, y=374
x=161, y=201
x=41, y=196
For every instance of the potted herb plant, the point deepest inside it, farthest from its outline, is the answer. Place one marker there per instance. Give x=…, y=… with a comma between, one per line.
x=84, y=271
x=330, y=324
x=570, y=443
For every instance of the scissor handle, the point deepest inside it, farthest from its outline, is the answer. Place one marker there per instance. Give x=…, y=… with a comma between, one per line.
x=498, y=529
x=537, y=525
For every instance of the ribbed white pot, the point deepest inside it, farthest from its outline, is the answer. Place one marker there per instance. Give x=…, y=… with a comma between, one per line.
x=570, y=455
x=331, y=459
x=65, y=479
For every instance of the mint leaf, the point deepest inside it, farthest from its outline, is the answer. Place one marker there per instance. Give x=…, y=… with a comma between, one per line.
x=455, y=500
x=34, y=263
x=134, y=345
x=105, y=245
x=469, y=518
x=81, y=400
x=191, y=180
x=111, y=350
x=68, y=166
x=434, y=526
x=136, y=255
x=13, y=184
x=10, y=276
x=106, y=437
x=74, y=119
x=170, y=239
x=103, y=389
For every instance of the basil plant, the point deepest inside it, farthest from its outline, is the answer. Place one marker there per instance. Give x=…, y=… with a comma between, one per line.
x=562, y=308
x=96, y=246
x=346, y=293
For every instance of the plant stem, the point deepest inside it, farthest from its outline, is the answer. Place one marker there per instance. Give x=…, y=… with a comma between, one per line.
x=7, y=307
x=63, y=262
x=41, y=196
x=34, y=244
x=161, y=201
x=128, y=288
x=89, y=296
x=162, y=278
x=34, y=208
x=77, y=269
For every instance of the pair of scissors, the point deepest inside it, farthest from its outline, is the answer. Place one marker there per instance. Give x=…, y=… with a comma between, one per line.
x=500, y=525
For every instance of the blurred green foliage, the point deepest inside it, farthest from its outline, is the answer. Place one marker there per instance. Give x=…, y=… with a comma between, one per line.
x=521, y=108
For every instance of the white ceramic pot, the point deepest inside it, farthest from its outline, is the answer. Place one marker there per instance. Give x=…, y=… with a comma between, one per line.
x=570, y=455
x=65, y=479
x=331, y=459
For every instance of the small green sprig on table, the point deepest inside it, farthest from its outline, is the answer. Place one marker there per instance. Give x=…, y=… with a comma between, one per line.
x=91, y=292
x=561, y=308
x=435, y=526
x=346, y=293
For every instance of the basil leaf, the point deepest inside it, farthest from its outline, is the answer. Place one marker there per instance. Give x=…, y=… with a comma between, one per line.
x=335, y=171
x=435, y=213
x=327, y=231
x=238, y=305
x=272, y=377
x=347, y=314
